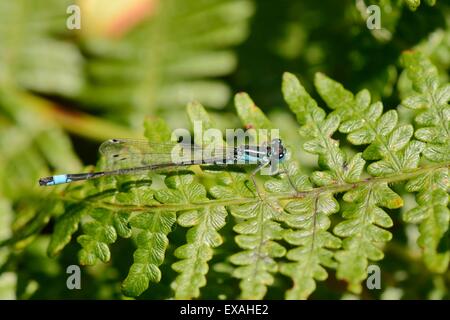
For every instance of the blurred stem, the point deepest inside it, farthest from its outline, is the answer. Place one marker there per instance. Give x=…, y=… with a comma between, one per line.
x=78, y=123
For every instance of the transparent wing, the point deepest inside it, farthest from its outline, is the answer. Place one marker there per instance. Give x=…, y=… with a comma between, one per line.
x=129, y=153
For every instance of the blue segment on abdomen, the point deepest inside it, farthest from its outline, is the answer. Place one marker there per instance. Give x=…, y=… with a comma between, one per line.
x=62, y=178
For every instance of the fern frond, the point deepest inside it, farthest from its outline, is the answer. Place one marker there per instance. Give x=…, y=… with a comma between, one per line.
x=35, y=56
x=169, y=59
x=257, y=235
x=431, y=102
x=257, y=227
x=365, y=123
x=433, y=117
x=414, y=4
x=201, y=237
x=391, y=143
x=284, y=229
x=151, y=241
x=362, y=229
x=98, y=234
x=392, y=150
x=309, y=218
x=310, y=215
x=433, y=216
x=66, y=225
x=31, y=56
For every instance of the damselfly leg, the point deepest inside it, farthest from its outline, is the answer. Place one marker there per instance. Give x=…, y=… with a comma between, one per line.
x=258, y=192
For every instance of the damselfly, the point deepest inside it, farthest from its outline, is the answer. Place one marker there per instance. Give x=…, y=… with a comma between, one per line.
x=128, y=157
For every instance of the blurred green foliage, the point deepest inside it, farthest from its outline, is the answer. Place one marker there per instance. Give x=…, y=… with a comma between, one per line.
x=62, y=91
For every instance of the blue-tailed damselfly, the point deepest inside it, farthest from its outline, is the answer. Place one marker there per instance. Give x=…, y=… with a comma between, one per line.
x=127, y=157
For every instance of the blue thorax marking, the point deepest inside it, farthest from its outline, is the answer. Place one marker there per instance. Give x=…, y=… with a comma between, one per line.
x=252, y=156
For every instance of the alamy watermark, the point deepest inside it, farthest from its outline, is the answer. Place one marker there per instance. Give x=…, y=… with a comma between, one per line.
x=261, y=147
x=252, y=146
x=74, y=279
x=373, y=21
x=373, y=280
x=73, y=22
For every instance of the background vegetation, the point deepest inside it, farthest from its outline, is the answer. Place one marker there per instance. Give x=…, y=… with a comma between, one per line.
x=64, y=91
